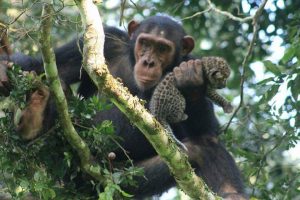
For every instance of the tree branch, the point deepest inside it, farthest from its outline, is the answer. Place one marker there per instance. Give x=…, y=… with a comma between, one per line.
x=212, y=7
x=132, y=107
x=228, y=14
x=55, y=86
x=249, y=52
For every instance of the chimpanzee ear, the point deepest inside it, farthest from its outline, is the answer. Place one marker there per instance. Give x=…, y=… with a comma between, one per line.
x=132, y=26
x=188, y=44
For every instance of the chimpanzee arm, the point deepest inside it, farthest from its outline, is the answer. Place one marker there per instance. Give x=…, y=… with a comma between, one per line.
x=211, y=162
x=69, y=59
x=27, y=63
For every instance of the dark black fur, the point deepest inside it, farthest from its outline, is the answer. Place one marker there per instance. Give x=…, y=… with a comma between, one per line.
x=209, y=157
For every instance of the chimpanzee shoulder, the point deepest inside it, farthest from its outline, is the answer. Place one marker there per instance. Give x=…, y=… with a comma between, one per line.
x=116, y=42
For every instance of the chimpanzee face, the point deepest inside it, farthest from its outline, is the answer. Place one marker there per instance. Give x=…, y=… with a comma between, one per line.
x=155, y=50
x=153, y=54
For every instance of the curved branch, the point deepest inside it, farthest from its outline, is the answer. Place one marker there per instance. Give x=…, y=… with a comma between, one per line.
x=132, y=107
x=55, y=86
x=228, y=14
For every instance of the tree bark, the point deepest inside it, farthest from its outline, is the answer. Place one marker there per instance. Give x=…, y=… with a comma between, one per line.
x=56, y=89
x=132, y=107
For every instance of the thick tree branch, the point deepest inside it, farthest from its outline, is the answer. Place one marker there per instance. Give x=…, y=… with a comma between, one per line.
x=132, y=107
x=55, y=86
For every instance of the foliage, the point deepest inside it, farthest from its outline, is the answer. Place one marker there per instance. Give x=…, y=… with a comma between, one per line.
x=29, y=167
x=261, y=134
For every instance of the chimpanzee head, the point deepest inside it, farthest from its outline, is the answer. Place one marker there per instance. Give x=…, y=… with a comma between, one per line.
x=159, y=44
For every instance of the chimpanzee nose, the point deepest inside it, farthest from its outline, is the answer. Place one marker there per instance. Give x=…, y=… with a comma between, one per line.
x=148, y=63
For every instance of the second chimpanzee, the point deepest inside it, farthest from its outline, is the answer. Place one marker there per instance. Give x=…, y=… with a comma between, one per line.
x=150, y=50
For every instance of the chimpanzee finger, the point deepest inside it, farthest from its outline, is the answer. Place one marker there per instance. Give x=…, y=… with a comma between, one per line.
x=190, y=70
x=178, y=76
x=181, y=77
x=183, y=65
x=199, y=71
x=176, y=71
x=181, y=70
x=198, y=66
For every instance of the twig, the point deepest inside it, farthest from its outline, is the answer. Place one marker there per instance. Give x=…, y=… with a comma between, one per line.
x=263, y=159
x=249, y=52
x=198, y=13
x=42, y=137
x=3, y=25
x=124, y=150
x=212, y=7
x=22, y=12
x=113, y=139
x=228, y=14
x=135, y=5
x=122, y=7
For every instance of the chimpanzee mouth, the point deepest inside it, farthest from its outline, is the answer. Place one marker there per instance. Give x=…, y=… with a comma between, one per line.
x=145, y=80
x=145, y=83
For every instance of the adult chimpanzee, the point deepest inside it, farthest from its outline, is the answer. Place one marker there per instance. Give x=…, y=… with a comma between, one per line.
x=141, y=58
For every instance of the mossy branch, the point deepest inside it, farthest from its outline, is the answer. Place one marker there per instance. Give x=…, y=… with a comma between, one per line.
x=132, y=107
x=61, y=104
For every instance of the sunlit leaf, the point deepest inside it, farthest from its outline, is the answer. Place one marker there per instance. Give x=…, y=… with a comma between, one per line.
x=272, y=67
x=262, y=89
x=295, y=87
x=267, y=80
x=288, y=54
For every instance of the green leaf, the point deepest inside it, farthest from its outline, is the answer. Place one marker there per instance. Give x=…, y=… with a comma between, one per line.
x=125, y=194
x=272, y=67
x=37, y=176
x=262, y=89
x=38, y=187
x=95, y=168
x=295, y=87
x=289, y=54
x=24, y=184
x=271, y=93
x=267, y=80
x=49, y=194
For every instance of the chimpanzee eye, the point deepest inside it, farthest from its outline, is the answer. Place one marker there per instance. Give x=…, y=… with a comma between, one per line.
x=162, y=48
x=144, y=42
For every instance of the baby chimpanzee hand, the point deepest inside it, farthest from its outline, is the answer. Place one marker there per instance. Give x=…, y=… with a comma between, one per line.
x=189, y=73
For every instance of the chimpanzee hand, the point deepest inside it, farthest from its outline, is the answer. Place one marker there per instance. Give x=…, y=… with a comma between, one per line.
x=4, y=81
x=189, y=73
